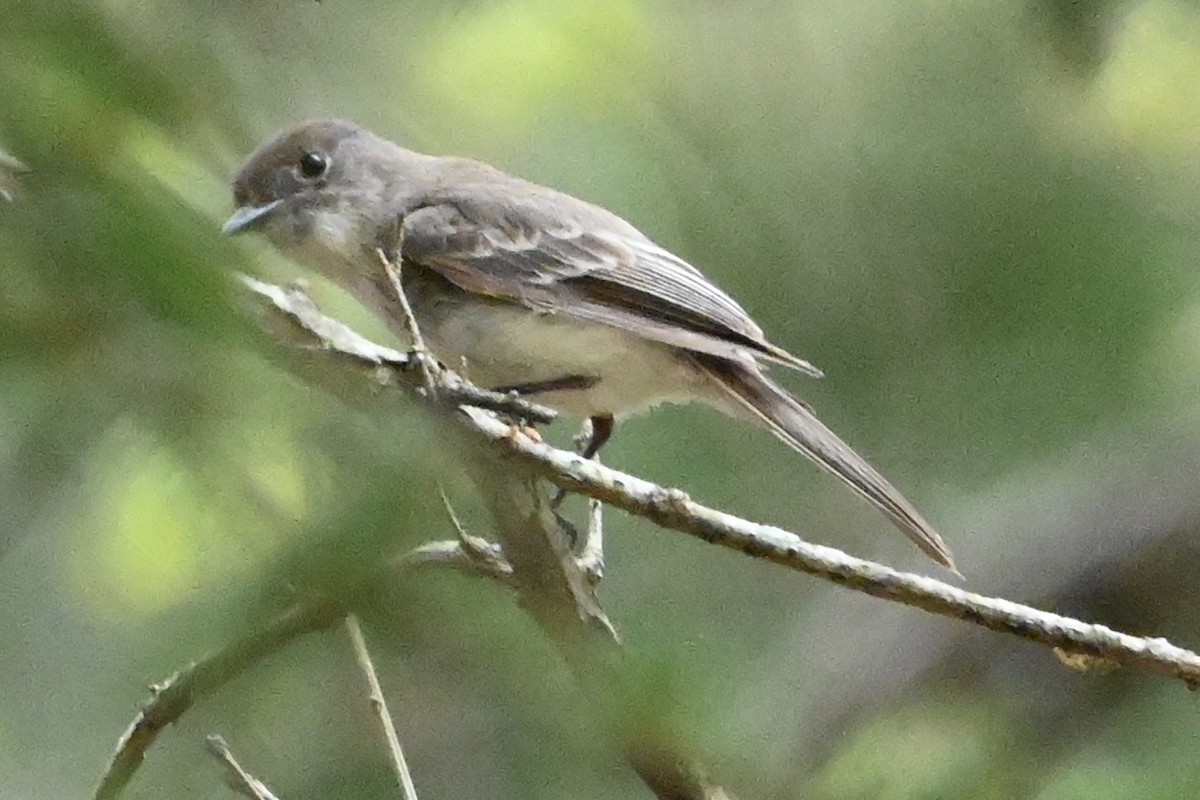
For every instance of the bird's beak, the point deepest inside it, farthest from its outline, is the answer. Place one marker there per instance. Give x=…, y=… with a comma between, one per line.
x=248, y=217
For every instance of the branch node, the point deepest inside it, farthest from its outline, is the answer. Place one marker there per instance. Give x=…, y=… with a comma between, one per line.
x=483, y=555
x=419, y=353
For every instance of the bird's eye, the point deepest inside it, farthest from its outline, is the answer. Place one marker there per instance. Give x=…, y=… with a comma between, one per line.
x=313, y=165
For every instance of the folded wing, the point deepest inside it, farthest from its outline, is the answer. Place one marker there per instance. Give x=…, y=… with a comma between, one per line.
x=555, y=254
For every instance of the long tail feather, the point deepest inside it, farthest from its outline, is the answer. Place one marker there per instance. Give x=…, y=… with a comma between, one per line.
x=796, y=425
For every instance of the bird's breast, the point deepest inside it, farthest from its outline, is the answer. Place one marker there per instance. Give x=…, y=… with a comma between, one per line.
x=498, y=344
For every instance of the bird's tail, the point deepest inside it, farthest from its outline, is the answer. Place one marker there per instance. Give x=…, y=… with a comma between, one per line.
x=753, y=392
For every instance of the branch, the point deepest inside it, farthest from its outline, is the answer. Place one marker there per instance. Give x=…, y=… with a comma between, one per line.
x=591, y=555
x=175, y=695
x=537, y=562
x=379, y=706
x=671, y=508
x=238, y=779
x=549, y=582
x=479, y=557
x=298, y=324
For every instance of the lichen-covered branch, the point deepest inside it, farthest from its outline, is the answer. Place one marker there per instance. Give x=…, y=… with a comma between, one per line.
x=671, y=508
x=551, y=582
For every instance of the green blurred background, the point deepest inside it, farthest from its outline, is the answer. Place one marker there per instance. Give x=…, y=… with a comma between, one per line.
x=979, y=218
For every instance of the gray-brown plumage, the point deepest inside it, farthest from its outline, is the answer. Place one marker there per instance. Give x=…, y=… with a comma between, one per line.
x=533, y=289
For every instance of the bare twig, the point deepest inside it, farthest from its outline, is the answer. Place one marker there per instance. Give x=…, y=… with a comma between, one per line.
x=549, y=581
x=591, y=552
x=176, y=694
x=481, y=557
x=591, y=555
x=475, y=548
x=237, y=778
x=292, y=316
x=379, y=706
x=425, y=361
x=671, y=508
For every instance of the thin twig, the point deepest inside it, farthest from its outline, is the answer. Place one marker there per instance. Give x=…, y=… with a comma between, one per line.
x=474, y=547
x=591, y=552
x=379, y=706
x=176, y=694
x=237, y=778
x=459, y=528
x=425, y=360
x=481, y=557
x=591, y=555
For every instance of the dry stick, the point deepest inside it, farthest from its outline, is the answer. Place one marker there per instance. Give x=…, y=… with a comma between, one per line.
x=671, y=508
x=300, y=329
x=407, y=790
x=293, y=318
x=481, y=558
x=424, y=359
x=175, y=695
x=237, y=778
x=474, y=546
x=591, y=555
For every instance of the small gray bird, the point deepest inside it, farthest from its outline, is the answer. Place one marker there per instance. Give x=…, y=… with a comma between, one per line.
x=534, y=290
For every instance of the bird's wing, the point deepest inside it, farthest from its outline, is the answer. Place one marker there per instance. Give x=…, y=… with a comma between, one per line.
x=553, y=253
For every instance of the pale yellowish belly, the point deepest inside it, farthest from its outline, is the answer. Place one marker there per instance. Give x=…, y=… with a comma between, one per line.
x=500, y=346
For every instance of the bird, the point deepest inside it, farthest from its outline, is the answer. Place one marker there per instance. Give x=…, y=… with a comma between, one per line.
x=534, y=291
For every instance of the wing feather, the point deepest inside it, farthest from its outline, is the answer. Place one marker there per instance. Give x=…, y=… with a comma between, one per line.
x=556, y=254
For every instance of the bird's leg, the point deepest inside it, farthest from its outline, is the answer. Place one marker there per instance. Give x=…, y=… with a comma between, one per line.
x=603, y=426
x=597, y=430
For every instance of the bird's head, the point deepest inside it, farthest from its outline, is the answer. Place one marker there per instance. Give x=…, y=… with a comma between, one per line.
x=319, y=192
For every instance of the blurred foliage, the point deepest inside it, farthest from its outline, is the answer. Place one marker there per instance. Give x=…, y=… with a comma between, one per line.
x=979, y=218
